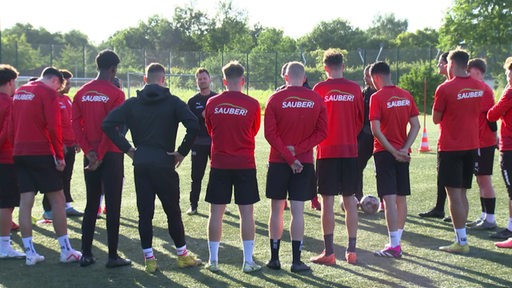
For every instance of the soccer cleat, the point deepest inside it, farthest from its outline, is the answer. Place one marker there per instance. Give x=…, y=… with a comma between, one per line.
x=432, y=213
x=150, y=265
x=351, y=257
x=47, y=215
x=249, y=267
x=104, y=210
x=87, y=260
x=455, y=248
x=98, y=214
x=192, y=211
x=70, y=256
x=72, y=212
x=14, y=226
x=324, y=259
x=447, y=219
x=381, y=208
x=189, y=260
x=315, y=204
x=299, y=267
x=473, y=223
x=213, y=267
x=503, y=234
x=390, y=252
x=118, y=262
x=274, y=264
x=504, y=244
x=33, y=259
x=484, y=225
x=11, y=254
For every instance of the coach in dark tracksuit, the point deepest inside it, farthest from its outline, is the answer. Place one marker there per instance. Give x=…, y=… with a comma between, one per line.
x=152, y=118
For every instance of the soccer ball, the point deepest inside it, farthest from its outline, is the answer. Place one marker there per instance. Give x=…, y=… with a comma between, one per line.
x=370, y=204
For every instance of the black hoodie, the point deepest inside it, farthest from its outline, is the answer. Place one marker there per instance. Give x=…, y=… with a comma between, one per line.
x=152, y=118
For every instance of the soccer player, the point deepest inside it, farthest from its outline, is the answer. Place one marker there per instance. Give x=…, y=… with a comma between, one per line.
x=502, y=111
x=457, y=102
x=438, y=210
x=103, y=161
x=233, y=120
x=365, y=137
x=484, y=165
x=70, y=149
x=202, y=143
x=391, y=110
x=35, y=131
x=153, y=117
x=337, y=154
x=295, y=122
x=9, y=192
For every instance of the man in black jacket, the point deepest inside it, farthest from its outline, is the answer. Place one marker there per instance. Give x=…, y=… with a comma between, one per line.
x=153, y=117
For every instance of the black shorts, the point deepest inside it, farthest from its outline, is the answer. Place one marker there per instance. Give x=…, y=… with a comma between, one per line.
x=485, y=161
x=506, y=170
x=456, y=168
x=9, y=193
x=37, y=174
x=392, y=176
x=280, y=180
x=337, y=176
x=222, y=181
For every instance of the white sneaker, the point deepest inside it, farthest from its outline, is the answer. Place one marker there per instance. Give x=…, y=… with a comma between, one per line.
x=11, y=254
x=70, y=256
x=33, y=259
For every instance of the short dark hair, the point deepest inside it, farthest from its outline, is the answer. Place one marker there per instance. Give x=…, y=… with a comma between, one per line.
x=333, y=58
x=52, y=71
x=202, y=70
x=7, y=73
x=478, y=63
x=66, y=73
x=107, y=59
x=381, y=68
x=283, y=69
x=233, y=70
x=459, y=57
x=444, y=57
x=154, y=71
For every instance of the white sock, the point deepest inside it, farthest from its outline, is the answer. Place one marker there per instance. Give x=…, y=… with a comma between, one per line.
x=5, y=243
x=213, y=248
x=65, y=246
x=28, y=245
x=400, y=232
x=461, y=237
x=101, y=199
x=182, y=251
x=68, y=205
x=509, y=225
x=248, y=249
x=394, y=239
x=490, y=218
x=483, y=216
x=148, y=253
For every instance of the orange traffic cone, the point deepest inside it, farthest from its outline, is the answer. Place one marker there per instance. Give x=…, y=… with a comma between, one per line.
x=424, y=142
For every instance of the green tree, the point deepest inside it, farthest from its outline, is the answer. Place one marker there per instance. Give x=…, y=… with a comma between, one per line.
x=387, y=27
x=427, y=37
x=336, y=33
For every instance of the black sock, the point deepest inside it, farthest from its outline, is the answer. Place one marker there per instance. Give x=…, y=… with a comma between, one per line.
x=490, y=205
x=296, y=250
x=274, y=249
x=441, y=197
x=351, y=244
x=329, y=244
x=482, y=203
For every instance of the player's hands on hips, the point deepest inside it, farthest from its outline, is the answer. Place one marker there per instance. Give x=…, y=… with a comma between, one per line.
x=177, y=157
x=296, y=167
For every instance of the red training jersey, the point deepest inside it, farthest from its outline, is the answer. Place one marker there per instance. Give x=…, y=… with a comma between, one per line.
x=459, y=101
x=502, y=110
x=35, y=127
x=92, y=102
x=393, y=107
x=5, y=115
x=68, y=137
x=487, y=136
x=345, y=112
x=295, y=116
x=232, y=120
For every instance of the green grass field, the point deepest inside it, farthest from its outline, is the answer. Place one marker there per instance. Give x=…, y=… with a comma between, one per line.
x=421, y=266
